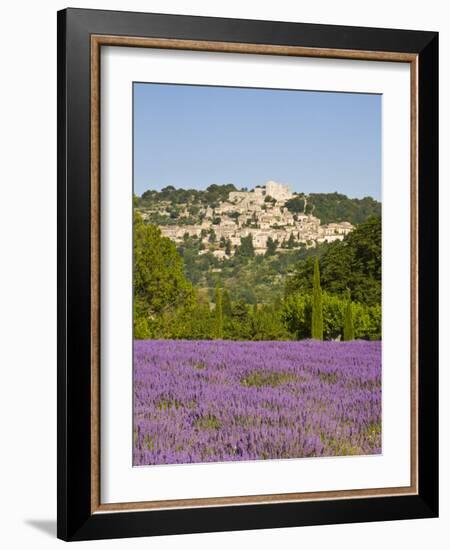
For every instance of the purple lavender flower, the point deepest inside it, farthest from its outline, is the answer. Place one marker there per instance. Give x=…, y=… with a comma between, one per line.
x=215, y=401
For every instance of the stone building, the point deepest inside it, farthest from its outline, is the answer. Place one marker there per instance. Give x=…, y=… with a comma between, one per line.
x=250, y=213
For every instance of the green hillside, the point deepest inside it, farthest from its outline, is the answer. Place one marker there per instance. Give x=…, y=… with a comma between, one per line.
x=335, y=207
x=172, y=206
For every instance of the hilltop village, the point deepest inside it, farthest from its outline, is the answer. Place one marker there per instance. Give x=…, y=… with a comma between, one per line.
x=260, y=213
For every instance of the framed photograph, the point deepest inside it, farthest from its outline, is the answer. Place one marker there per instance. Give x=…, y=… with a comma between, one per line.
x=247, y=254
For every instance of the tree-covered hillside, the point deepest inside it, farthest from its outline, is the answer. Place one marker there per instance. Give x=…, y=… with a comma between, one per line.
x=353, y=265
x=252, y=278
x=211, y=196
x=183, y=206
x=335, y=207
x=180, y=293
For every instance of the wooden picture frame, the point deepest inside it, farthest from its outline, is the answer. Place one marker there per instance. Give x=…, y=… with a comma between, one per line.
x=81, y=35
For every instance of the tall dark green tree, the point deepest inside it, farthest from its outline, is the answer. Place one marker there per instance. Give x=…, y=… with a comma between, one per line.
x=271, y=247
x=212, y=236
x=246, y=250
x=291, y=241
x=218, y=314
x=228, y=247
x=317, y=311
x=349, y=330
x=226, y=304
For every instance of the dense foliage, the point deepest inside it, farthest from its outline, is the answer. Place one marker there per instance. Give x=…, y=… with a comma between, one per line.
x=160, y=286
x=297, y=316
x=222, y=319
x=211, y=196
x=296, y=205
x=335, y=207
x=255, y=279
x=353, y=264
x=180, y=294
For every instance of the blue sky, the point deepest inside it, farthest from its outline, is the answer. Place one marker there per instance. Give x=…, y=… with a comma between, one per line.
x=317, y=142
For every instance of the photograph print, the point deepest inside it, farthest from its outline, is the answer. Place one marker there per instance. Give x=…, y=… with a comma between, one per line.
x=257, y=274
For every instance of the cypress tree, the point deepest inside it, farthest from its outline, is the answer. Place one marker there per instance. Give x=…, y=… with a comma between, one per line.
x=218, y=313
x=226, y=304
x=349, y=330
x=228, y=247
x=317, y=313
x=271, y=247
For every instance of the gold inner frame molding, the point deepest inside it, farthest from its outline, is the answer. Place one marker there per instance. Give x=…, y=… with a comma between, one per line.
x=97, y=41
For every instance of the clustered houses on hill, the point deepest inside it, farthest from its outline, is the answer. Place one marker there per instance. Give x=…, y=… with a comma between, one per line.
x=260, y=213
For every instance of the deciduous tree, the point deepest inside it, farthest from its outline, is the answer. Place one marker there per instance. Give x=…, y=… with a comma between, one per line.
x=159, y=281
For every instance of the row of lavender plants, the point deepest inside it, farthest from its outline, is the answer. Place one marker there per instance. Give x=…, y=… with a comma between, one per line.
x=210, y=401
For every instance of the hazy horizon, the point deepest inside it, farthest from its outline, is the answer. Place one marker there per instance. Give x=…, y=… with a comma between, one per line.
x=192, y=137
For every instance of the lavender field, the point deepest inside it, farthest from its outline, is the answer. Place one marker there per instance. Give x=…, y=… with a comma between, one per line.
x=214, y=401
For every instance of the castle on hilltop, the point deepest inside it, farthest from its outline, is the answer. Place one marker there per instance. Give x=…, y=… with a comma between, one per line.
x=260, y=213
x=272, y=189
